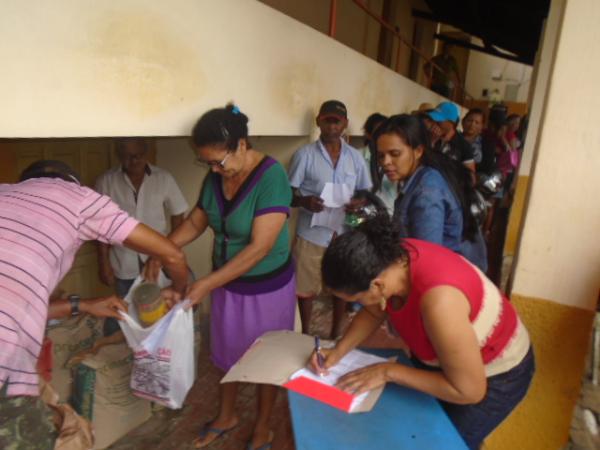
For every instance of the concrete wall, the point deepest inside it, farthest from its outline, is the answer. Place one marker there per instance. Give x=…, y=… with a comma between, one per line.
x=148, y=67
x=557, y=274
x=537, y=101
x=483, y=69
x=353, y=27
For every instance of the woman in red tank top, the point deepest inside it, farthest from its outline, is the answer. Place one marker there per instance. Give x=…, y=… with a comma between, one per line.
x=469, y=347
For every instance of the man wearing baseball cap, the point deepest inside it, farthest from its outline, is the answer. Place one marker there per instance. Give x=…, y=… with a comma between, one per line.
x=446, y=115
x=327, y=160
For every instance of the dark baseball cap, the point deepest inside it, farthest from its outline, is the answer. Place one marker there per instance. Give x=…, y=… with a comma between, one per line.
x=333, y=108
x=48, y=168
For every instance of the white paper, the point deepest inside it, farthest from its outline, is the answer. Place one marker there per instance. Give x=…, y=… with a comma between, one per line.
x=354, y=360
x=335, y=196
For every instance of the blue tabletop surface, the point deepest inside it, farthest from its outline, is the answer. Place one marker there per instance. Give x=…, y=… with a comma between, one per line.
x=402, y=419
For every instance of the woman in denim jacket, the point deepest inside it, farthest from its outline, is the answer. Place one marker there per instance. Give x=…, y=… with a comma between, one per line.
x=434, y=201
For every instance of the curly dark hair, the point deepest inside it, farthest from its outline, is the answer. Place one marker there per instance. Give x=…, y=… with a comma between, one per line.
x=357, y=257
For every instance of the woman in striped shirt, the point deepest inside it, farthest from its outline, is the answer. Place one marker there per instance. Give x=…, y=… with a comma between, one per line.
x=469, y=347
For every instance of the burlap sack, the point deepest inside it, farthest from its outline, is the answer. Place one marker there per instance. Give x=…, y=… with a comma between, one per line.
x=70, y=337
x=75, y=433
x=101, y=394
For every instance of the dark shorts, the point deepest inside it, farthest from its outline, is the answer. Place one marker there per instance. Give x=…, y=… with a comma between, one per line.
x=504, y=392
x=26, y=423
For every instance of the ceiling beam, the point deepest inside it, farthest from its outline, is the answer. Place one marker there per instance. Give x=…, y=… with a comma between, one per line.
x=425, y=15
x=490, y=50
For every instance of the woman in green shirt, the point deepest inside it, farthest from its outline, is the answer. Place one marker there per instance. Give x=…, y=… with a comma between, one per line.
x=245, y=200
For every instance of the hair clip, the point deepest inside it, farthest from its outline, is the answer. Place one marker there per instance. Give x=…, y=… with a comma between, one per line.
x=235, y=109
x=224, y=131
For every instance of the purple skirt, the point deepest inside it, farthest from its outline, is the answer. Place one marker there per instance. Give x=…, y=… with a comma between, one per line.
x=237, y=320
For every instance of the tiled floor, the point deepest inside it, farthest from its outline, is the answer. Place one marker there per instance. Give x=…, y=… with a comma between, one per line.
x=170, y=430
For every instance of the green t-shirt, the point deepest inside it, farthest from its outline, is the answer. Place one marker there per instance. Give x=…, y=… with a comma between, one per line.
x=266, y=190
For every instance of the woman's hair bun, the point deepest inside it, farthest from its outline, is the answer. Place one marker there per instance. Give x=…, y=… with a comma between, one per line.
x=233, y=109
x=382, y=232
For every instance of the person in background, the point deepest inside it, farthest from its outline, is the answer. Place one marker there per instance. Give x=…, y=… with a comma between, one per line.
x=492, y=145
x=146, y=192
x=44, y=219
x=509, y=160
x=434, y=201
x=443, y=74
x=468, y=345
x=327, y=160
x=513, y=124
x=245, y=201
x=383, y=188
x=472, y=125
x=449, y=142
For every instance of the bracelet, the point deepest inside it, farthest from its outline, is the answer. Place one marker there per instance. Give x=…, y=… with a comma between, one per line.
x=74, y=300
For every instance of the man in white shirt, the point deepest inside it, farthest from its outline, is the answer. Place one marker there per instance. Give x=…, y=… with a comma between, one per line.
x=149, y=194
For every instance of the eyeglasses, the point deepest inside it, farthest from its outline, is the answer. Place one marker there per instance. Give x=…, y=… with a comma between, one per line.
x=133, y=157
x=211, y=164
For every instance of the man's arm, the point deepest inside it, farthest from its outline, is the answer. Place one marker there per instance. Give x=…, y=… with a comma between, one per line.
x=176, y=220
x=99, y=307
x=311, y=203
x=145, y=240
x=105, y=271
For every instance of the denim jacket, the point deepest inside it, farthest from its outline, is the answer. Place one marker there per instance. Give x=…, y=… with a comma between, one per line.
x=427, y=209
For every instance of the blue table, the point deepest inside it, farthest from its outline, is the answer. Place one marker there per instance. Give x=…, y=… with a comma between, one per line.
x=402, y=419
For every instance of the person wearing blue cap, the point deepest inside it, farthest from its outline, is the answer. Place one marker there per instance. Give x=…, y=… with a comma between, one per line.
x=446, y=115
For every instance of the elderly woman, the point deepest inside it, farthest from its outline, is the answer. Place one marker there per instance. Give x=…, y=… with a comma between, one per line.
x=469, y=346
x=245, y=200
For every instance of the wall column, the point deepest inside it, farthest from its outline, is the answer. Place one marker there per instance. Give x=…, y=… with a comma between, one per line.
x=557, y=272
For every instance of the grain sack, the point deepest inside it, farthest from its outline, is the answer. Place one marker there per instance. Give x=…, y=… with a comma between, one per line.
x=68, y=338
x=101, y=394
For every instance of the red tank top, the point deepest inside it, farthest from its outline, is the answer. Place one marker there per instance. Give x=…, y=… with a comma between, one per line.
x=502, y=338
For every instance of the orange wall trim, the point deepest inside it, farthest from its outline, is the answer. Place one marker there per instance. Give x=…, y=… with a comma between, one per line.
x=560, y=336
x=516, y=215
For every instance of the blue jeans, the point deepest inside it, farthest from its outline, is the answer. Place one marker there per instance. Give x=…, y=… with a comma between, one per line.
x=504, y=392
x=111, y=326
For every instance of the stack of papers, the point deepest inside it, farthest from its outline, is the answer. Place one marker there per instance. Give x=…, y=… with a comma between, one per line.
x=280, y=358
x=322, y=387
x=335, y=196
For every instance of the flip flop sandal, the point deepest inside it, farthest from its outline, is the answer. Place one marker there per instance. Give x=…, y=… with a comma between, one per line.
x=207, y=429
x=265, y=446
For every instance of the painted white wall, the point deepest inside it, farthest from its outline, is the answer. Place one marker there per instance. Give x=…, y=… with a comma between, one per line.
x=148, y=67
x=483, y=68
x=559, y=252
x=539, y=86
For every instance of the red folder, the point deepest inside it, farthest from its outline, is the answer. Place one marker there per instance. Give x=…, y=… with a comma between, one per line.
x=322, y=392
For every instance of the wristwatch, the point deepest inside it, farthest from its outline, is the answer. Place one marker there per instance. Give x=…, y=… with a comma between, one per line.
x=74, y=301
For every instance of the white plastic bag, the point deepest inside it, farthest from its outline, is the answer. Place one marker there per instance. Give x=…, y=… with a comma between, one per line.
x=163, y=354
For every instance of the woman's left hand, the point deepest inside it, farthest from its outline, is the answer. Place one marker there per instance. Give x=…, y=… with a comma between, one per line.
x=365, y=379
x=198, y=291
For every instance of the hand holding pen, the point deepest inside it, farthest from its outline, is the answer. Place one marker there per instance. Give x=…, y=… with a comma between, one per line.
x=323, y=358
x=320, y=358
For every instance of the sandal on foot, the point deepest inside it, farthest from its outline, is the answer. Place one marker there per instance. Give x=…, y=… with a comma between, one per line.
x=266, y=446
x=207, y=429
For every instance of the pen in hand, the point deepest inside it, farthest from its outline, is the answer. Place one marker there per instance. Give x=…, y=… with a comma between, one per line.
x=320, y=360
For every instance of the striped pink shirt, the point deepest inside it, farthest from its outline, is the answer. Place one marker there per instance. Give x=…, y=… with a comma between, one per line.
x=43, y=222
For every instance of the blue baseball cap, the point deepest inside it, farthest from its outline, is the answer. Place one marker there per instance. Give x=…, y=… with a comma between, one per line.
x=445, y=111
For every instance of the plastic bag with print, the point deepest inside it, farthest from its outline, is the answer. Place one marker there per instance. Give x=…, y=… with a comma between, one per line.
x=164, y=359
